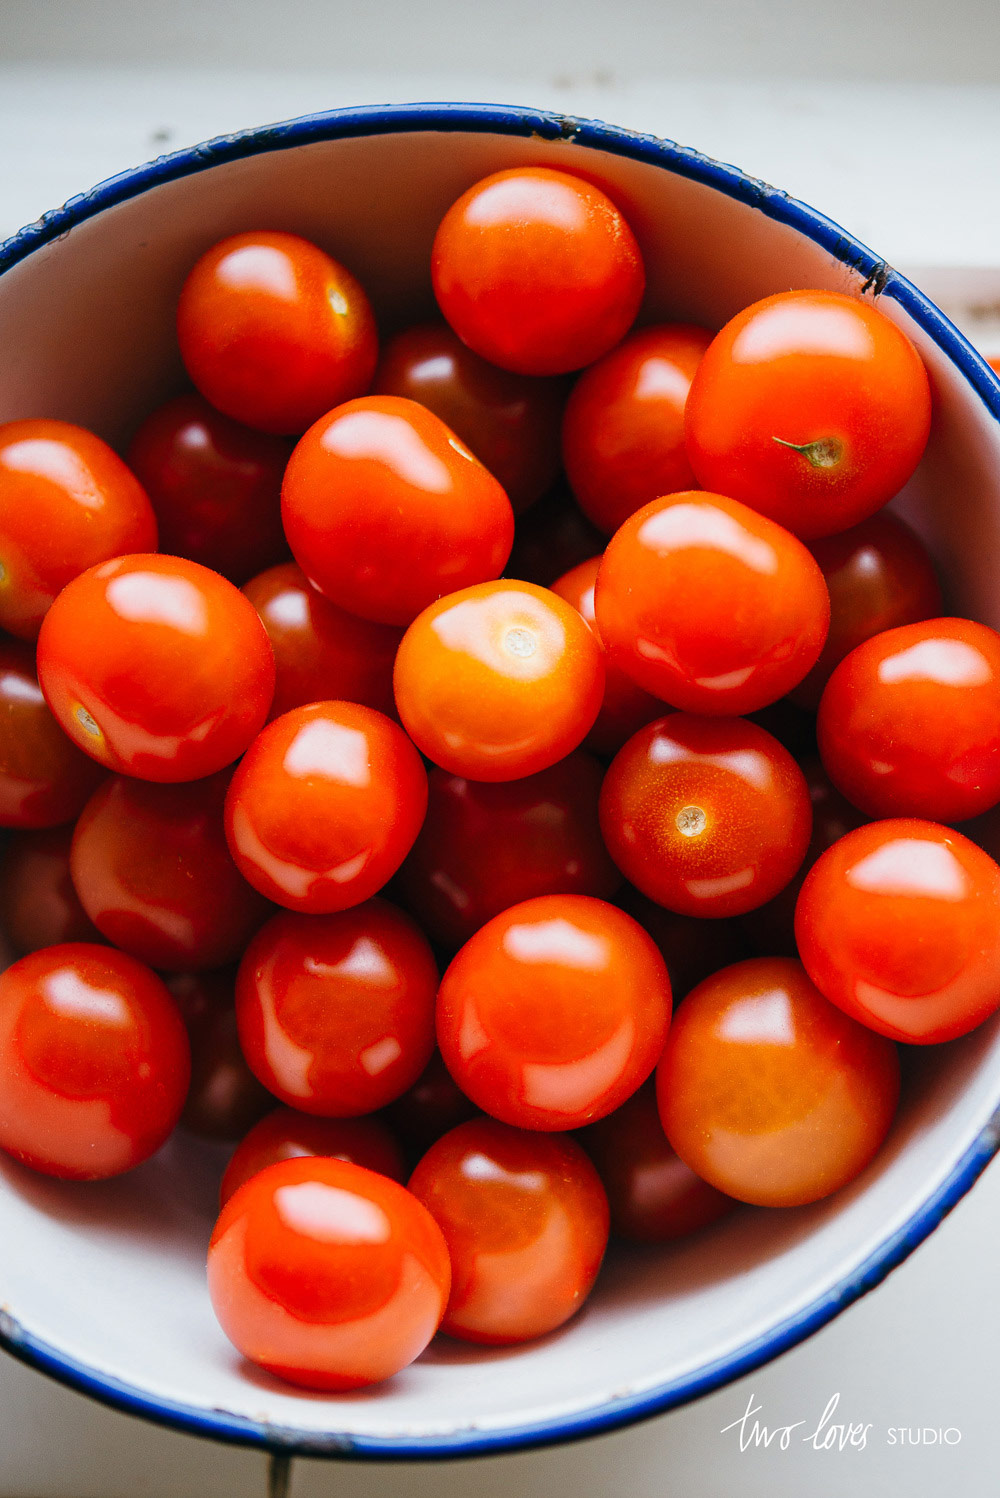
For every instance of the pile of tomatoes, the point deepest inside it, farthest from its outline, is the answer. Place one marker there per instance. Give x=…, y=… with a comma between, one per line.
x=333, y=684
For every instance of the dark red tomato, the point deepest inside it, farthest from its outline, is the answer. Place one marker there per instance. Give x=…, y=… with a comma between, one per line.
x=909, y=724
x=769, y=1092
x=537, y=271
x=336, y=1012
x=66, y=502
x=692, y=948
x=327, y=1275
x=325, y=806
x=224, y=1098
x=94, y=1062
x=386, y=510
x=38, y=905
x=274, y=332
x=510, y=422
x=554, y=1012
x=707, y=816
x=898, y=924
x=215, y=486
x=285, y=1134
x=319, y=650
x=433, y=1105
x=623, y=432
x=811, y=407
x=879, y=575
x=552, y=537
x=654, y=1197
x=710, y=606
x=44, y=779
x=485, y=847
x=525, y=1219
x=156, y=667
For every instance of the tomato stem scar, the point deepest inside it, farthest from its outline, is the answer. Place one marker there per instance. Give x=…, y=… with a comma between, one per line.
x=825, y=452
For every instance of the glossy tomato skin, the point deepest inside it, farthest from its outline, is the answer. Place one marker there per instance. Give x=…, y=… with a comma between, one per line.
x=324, y=806
x=274, y=332
x=623, y=431
x=94, y=1062
x=215, y=487
x=285, y=1134
x=320, y=651
x=707, y=816
x=156, y=667
x=811, y=407
x=484, y=847
x=38, y=905
x=511, y=422
x=769, y=1092
x=327, y=1275
x=224, y=1099
x=525, y=1219
x=554, y=536
x=386, y=510
x=498, y=681
x=67, y=502
x=336, y=1012
x=710, y=606
x=44, y=779
x=898, y=924
x=909, y=723
x=433, y=1105
x=554, y=1012
x=537, y=271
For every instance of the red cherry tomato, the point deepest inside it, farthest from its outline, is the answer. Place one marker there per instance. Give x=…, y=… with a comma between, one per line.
x=552, y=537
x=274, y=332
x=285, y=1134
x=710, y=606
x=336, y=1012
x=811, y=407
x=554, y=1012
x=156, y=667
x=525, y=1219
x=215, y=487
x=707, y=816
x=537, y=271
x=224, y=1098
x=38, y=905
x=499, y=681
x=485, y=847
x=768, y=1091
x=319, y=650
x=94, y=1062
x=326, y=1274
x=428, y=1109
x=325, y=806
x=909, y=724
x=623, y=432
x=44, y=779
x=385, y=510
x=898, y=924
x=509, y=421
x=66, y=502
x=691, y=947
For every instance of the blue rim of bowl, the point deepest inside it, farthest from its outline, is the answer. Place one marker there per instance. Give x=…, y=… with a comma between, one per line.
x=879, y=279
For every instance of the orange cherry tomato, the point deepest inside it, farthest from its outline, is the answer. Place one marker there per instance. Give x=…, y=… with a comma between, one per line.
x=433, y=1105
x=554, y=536
x=44, y=779
x=224, y=1098
x=284, y=1134
x=38, y=905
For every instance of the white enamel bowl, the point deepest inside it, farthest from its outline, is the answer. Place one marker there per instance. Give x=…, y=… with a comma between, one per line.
x=104, y=1285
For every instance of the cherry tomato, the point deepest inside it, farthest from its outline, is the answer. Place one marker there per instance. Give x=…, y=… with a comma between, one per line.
x=319, y=650
x=66, y=502
x=325, y=806
x=274, y=332
x=215, y=487
x=537, y=271
x=156, y=667
x=499, y=681
x=525, y=1219
x=707, y=816
x=94, y=1062
x=509, y=421
x=554, y=1012
x=285, y=1134
x=327, y=1275
x=692, y=948
x=484, y=847
x=909, y=724
x=710, y=606
x=811, y=407
x=336, y=1012
x=224, y=1098
x=386, y=510
x=623, y=432
x=38, y=905
x=552, y=537
x=769, y=1092
x=44, y=779
x=428, y=1109
x=898, y=924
